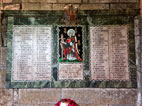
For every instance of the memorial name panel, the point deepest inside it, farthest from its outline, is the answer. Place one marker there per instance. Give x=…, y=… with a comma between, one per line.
x=31, y=53
x=70, y=71
x=118, y=45
x=99, y=53
x=109, y=53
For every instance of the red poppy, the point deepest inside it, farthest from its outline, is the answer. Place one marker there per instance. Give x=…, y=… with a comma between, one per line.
x=69, y=102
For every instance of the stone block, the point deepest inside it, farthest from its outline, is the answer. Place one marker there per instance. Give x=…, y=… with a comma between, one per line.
x=7, y=1
x=123, y=96
x=46, y=6
x=3, y=56
x=113, y=1
x=124, y=6
x=98, y=1
x=105, y=96
x=69, y=1
x=103, y=1
x=58, y=6
x=25, y=1
x=46, y=104
x=61, y=6
x=85, y=1
x=132, y=6
x=36, y=1
x=51, y=1
x=38, y=96
x=43, y=1
x=94, y=6
x=6, y=97
x=43, y=104
x=83, y=95
x=31, y=6
x=2, y=78
x=129, y=1
x=12, y=7
x=98, y=97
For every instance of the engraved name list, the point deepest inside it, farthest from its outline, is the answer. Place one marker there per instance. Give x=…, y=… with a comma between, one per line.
x=31, y=53
x=109, y=52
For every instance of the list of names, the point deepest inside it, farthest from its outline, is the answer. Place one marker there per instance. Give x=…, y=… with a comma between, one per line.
x=32, y=53
x=109, y=53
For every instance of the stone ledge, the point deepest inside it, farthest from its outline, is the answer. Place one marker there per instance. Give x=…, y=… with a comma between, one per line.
x=101, y=96
x=38, y=96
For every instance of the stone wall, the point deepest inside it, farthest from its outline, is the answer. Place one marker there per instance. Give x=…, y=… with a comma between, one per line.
x=48, y=97
x=59, y=4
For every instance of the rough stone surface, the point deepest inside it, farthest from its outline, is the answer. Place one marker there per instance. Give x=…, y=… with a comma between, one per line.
x=103, y=1
x=58, y=6
x=36, y=1
x=12, y=7
x=98, y=1
x=124, y=6
x=38, y=96
x=25, y=1
x=7, y=1
x=85, y=1
x=2, y=78
x=129, y=1
x=6, y=97
x=51, y=1
x=31, y=6
x=3, y=56
x=94, y=6
x=123, y=96
x=69, y=1
x=101, y=96
x=83, y=96
x=46, y=6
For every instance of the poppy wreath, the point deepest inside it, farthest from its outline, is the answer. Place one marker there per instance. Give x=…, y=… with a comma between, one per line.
x=68, y=101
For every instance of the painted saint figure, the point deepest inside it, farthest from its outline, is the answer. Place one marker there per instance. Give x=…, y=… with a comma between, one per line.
x=70, y=47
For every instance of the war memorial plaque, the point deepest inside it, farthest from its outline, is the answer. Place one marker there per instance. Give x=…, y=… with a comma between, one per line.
x=71, y=71
x=32, y=53
x=118, y=51
x=109, y=52
x=70, y=53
